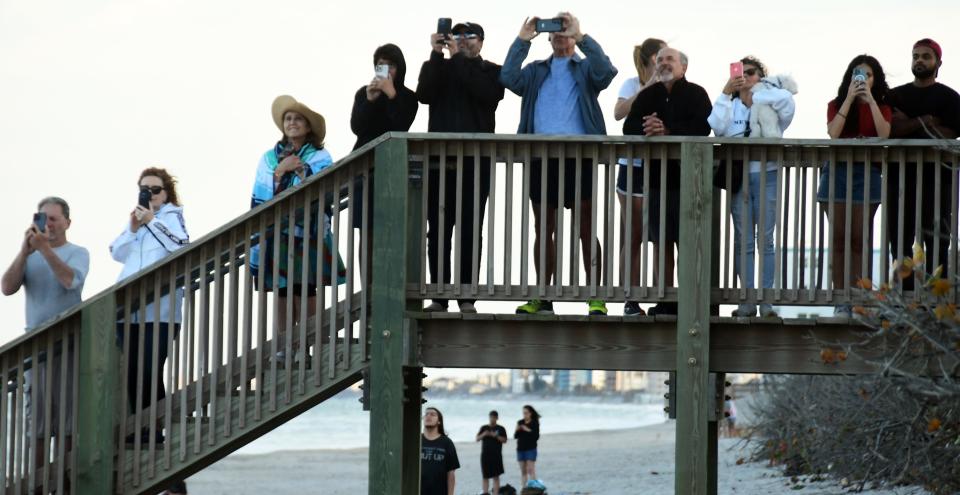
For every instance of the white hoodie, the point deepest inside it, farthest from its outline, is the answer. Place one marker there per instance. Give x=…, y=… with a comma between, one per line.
x=729, y=117
x=150, y=243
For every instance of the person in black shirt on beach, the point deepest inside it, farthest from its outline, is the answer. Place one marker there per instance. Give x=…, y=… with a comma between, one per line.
x=671, y=107
x=493, y=437
x=438, y=457
x=923, y=109
x=527, y=434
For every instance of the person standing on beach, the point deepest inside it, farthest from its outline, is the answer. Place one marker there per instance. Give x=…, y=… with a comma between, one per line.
x=493, y=437
x=527, y=434
x=438, y=456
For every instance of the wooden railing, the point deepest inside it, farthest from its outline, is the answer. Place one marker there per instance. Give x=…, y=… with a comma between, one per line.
x=807, y=251
x=243, y=360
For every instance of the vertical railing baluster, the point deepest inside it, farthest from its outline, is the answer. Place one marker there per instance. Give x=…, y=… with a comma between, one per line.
x=646, y=252
x=247, y=324
x=186, y=366
x=424, y=208
x=365, y=262
x=233, y=326
x=138, y=385
x=334, y=288
x=321, y=289
x=781, y=209
x=475, y=223
x=937, y=255
x=174, y=295
x=305, y=280
x=508, y=222
x=610, y=223
x=66, y=386
x=594, y=257
x=491, y=221
x=662, y=242
x=576, y=214
x=441, y=224
x=918, y=212
x=458, y=221
x=525, y=208
x=348, y=299
x=154, y=375
x=558, y=232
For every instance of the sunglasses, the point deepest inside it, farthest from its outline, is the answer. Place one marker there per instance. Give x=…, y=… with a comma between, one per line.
x=750, y=72
x=467, y=36
x=155, y=190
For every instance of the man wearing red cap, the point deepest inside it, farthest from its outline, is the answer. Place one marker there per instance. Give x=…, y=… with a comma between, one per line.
x=923, y=109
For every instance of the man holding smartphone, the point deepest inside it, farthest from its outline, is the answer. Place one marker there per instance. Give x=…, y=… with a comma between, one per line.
x=463, y=92
x=560, y=97
x=51, y=270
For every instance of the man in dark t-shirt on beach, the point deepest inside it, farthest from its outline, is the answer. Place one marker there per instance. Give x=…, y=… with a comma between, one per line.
x=493, y=437
x=923, y=109
x=438, y=457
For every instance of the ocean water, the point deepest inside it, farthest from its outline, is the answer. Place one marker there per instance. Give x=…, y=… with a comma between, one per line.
x=340, y=423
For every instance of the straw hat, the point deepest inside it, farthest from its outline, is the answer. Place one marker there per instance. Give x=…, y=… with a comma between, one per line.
x=286, y=103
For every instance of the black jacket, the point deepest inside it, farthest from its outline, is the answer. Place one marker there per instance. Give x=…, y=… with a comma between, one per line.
x=683, y=110
x=370, y=119
x=463, y=93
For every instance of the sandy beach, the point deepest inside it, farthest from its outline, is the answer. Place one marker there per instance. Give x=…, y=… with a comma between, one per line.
x=634, y=461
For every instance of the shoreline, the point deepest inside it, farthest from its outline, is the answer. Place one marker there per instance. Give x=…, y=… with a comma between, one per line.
x=595, y=462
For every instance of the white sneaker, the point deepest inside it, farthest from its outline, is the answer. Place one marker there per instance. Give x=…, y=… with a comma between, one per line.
x=435, y=307
x=467, y=307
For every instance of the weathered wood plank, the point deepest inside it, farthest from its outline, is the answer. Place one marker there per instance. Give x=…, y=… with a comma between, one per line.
x=98, y=396
x=694, y=471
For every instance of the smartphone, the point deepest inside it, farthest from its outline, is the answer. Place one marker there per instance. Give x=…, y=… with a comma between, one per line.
x=144, y=198
x=736, y=70
x=383, y=71
x=859, y=74
x=445, y=26
x=554, y=25
x=40, y=220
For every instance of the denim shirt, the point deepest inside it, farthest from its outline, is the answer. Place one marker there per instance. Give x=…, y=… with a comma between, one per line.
x=593, y=74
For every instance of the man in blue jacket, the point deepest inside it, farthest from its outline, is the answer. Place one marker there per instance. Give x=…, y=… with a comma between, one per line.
x=560, y=97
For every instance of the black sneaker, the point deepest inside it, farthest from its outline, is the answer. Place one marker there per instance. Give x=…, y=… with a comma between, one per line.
x=664, y=308
x=632, y=308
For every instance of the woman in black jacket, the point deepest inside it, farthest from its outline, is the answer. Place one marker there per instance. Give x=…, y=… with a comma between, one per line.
x=527, y=434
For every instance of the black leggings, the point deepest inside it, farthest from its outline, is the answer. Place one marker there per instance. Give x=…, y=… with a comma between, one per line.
x=132, y=383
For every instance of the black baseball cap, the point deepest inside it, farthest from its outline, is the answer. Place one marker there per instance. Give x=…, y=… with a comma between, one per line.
x=468, y=28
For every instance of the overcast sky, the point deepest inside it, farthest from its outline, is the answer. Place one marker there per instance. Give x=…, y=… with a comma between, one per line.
x=95, y=91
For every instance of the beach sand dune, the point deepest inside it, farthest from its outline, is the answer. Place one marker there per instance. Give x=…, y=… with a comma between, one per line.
x=634, y=461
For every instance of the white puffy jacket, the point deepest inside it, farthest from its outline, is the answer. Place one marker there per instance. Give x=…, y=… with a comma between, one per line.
x=163, y=235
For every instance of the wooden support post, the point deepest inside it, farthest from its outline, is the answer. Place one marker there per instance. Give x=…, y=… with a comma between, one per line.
x=392, y=429
x=693, y=467
x=98, y=396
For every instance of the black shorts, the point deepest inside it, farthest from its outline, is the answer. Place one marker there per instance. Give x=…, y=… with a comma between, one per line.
x=672, y=227
x=637, y=181
x=569, y=181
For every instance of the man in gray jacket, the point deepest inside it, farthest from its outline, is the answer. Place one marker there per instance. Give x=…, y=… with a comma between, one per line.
x=560, y=97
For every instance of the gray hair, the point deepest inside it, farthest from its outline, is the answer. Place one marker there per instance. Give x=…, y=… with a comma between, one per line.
x=55, y=200
x=683, y=56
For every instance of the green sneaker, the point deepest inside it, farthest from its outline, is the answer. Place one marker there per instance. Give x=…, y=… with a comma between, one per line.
x=597, y=307
x=536, y=306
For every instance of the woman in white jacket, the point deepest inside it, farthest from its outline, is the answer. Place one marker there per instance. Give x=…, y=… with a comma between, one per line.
x=731, y=118
x=151, y=234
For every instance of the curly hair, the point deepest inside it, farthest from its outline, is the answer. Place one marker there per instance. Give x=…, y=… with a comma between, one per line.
x=879, y=91
x=754, y=61
x=169, y=182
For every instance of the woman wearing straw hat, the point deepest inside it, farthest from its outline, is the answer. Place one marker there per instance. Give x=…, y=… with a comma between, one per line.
x=298, y=155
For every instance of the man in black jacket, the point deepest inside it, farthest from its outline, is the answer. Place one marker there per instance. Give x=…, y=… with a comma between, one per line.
x=463, y=92
x=672, y=107
x=384, y=105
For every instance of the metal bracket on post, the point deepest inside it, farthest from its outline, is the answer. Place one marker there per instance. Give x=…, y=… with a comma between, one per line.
x=365, y=390
x=671, y=396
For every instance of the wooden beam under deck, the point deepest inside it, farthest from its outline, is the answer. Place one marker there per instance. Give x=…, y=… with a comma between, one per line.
x=737, y=345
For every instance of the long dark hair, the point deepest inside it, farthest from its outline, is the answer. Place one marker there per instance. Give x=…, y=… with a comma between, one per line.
x=440, y=418
x=534, y=415
x=879, y=90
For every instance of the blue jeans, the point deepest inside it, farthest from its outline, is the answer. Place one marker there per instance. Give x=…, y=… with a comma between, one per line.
x=749, y=202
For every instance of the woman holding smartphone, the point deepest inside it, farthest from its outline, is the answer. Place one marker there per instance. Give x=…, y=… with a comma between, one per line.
x=154, y=229
x=858, y=111
x=730, y=117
